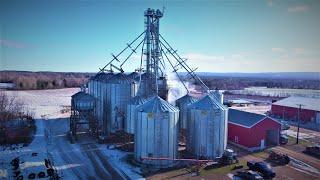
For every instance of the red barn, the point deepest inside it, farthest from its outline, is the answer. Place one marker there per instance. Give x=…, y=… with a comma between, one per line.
x=252, y=131
x=288, y=108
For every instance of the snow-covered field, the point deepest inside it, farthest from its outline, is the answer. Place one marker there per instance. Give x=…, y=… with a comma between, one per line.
x=83, y=160
x=278, y=92
x=48, y=103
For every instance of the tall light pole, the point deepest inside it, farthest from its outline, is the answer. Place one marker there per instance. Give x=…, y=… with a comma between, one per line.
x=300, y=105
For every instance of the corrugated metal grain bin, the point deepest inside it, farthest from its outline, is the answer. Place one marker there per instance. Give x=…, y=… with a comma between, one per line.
x=134, y=75
x=129, y=124
x=97, y=88
x=156, y=133
x=218, y=95
x=119, y=90
x=207, y=128
x=82, y=101
x=182, y=104
x=149, y=89
x=142, y=83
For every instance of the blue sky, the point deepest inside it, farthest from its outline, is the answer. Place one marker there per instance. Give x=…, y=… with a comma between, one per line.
x=215, y=35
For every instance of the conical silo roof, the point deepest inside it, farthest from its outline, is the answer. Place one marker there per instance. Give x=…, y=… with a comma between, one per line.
x=138, y=100
x=95, y=77
x=101, y=76
x=83, y=96
x=105, y=76
x=156, y=104
x=121, y=78
x=133, y=75
x=207, y=102
x=186, y=99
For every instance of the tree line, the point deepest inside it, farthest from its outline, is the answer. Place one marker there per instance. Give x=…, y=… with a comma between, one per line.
x=24, y=80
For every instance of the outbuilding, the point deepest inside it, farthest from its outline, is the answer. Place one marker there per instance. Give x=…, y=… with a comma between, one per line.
x=252, y=131
x=288, y=109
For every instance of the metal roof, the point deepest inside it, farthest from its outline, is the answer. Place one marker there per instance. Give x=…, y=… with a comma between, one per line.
x=121, y=78
x=293, y=101
x=82, y=95
x=138, y=100
x=240, y=101
x=207, y=102
x=186, y=99
x=105, y=76
x=156, y=104
x=101, y=76
x=243, y=118
x=133, y=75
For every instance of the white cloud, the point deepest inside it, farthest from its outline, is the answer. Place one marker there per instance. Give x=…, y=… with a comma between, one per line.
x=278, y=50
x=299, y=8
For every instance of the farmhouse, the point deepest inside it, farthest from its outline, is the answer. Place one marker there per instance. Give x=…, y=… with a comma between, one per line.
x=288, y=109
x=252, y=131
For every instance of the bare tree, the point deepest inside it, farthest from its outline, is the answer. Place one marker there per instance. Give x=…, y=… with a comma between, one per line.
x=11, y=107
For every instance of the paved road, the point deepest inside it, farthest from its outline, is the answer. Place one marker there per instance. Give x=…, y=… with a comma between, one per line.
x=91, y=163
x=93, y=149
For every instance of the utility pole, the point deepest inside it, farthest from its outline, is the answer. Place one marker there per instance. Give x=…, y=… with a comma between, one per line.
x=300, y=105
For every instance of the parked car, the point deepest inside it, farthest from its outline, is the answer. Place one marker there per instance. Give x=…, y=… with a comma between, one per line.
x=249, y=175
x=284, y=139
x=285, y=126
x=313, y=150
x=263, y=168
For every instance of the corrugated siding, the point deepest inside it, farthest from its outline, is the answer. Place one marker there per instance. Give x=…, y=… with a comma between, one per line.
x=251, y=137
x=156, y=135
x=292, y=113
x=118, y=96
x=207, y=133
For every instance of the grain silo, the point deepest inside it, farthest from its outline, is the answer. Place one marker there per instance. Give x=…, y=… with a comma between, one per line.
x=156, y=121
x=97, y=88
x=207, y=128
x=82, y=101
x=182, y=104
x=156, y=133
x=82, y=112
x=218, y=95
x=129, y=124
x=93, y=90
x=134, y=75
x=119, y=90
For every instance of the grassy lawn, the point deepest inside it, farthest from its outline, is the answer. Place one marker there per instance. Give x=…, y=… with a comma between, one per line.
x=297, y=147
x=302, y=142
x=263, y=154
